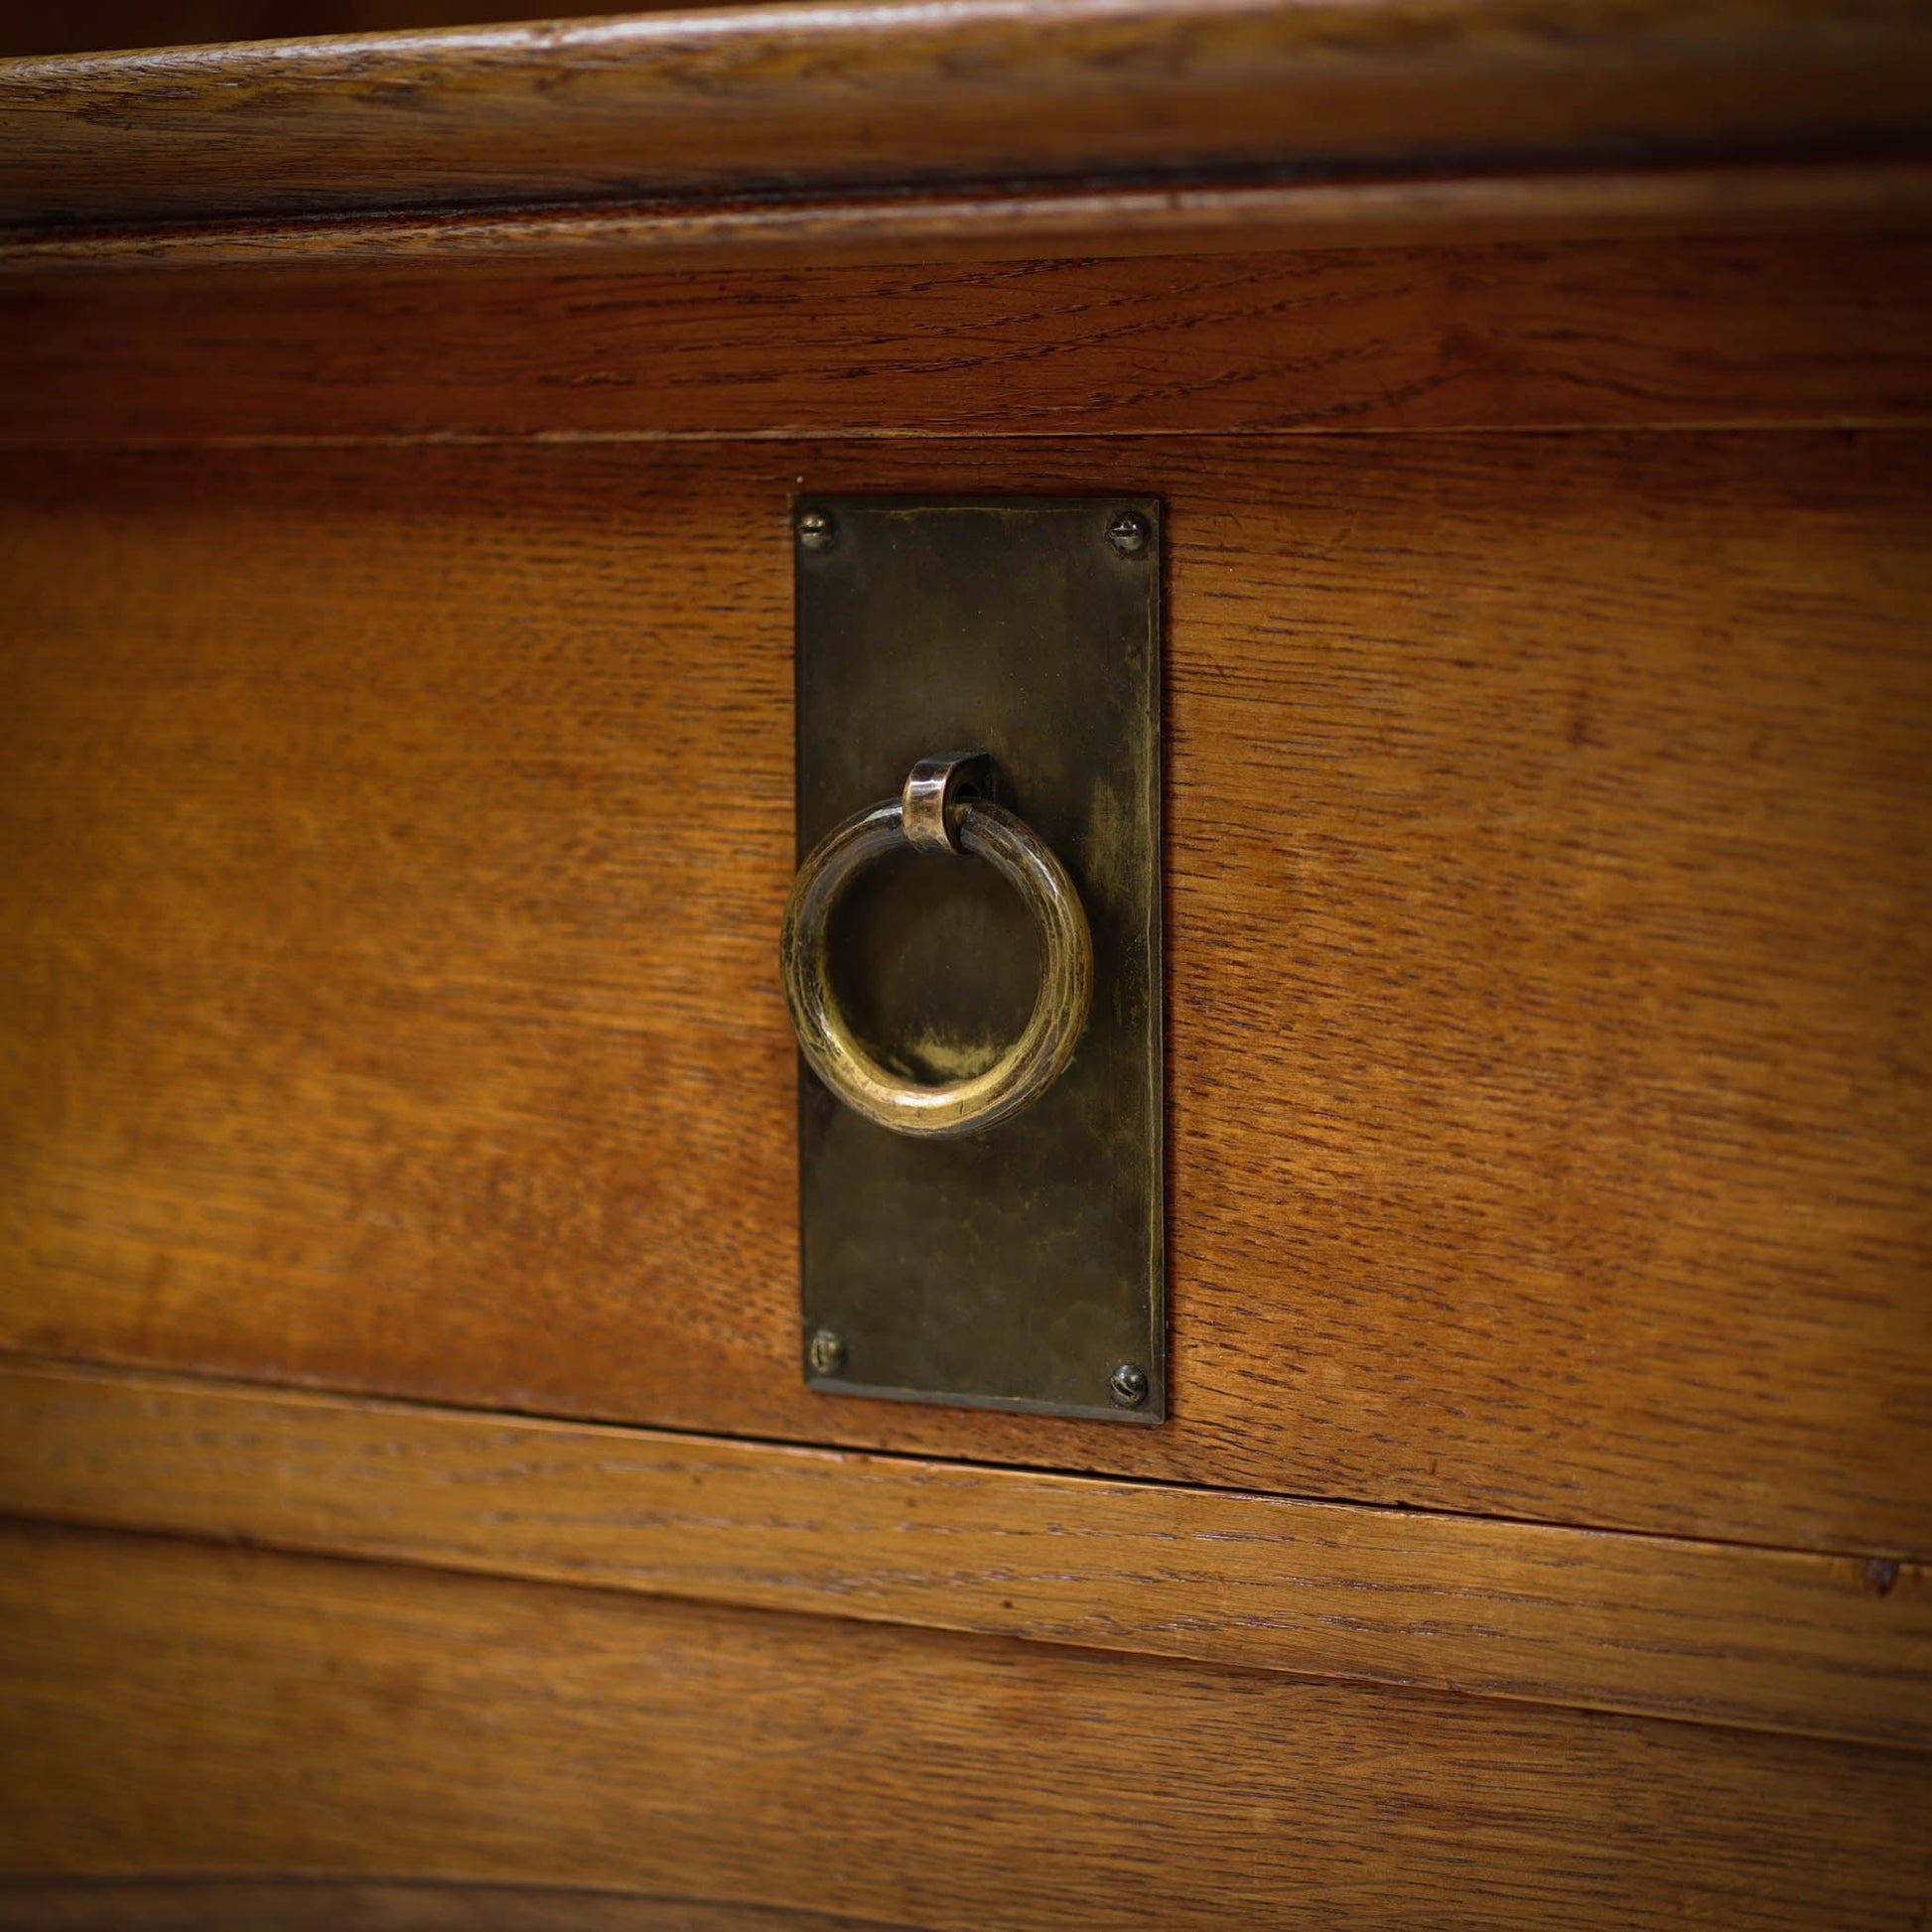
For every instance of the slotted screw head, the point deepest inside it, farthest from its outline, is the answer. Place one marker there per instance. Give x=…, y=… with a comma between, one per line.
x=816, y=530
x=1129, y=533
x=826, y=1353
x=1128, y=1385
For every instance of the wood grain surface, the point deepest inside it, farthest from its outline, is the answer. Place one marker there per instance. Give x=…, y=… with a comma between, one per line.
x=167, y=1708
x=89, y=26
x=1765, y=1639
x=733, y=100
x=1024, y=223
x=350, y=1905
x=1823, y=330
x=394, y=848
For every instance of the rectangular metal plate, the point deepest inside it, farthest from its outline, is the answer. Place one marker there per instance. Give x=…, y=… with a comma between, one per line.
x=1019, y=1267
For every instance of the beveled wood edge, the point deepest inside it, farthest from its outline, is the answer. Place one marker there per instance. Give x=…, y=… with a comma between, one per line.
x=1100, y=224
x=1712, y=1633
x=819, y=101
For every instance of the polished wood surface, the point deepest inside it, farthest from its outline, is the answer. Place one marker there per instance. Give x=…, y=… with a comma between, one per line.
x=1821, y=330
x=350, y=1905
x=175, y=1709
x=810, y=98
x=395, y=843
x=106, y=26
x=1873, y=197
x=1717, y=1633
x=397, y=446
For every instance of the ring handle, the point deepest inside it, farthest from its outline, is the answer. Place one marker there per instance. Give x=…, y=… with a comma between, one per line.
x=938, y=811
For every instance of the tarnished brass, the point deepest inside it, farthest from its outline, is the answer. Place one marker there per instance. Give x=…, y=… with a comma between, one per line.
x=933, y=790
x=980, y=1175
x=927, y=816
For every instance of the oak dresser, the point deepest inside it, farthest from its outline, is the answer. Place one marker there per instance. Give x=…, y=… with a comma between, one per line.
x=437, y=472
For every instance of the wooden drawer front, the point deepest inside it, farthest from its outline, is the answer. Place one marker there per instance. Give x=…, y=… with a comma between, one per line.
x=189, y=1711
x=396, y=839
x=411, y=1513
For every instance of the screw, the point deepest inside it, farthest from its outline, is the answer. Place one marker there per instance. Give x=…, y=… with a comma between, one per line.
x=1128, y=1385
x=816, y=530
x=1879, y=1575
x=827, y=1351
x=1129, y=533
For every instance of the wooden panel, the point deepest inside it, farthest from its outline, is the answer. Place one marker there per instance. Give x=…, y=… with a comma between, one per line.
x=1024, y=223
x=735, y=98
x=1829, y=330
x=174, y=1709
x=396, y=841
x=347, y=1905
x=82, y=25
x=1768, y=1640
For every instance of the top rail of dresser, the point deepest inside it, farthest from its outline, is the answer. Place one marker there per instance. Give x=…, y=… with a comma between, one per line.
x=956, y=126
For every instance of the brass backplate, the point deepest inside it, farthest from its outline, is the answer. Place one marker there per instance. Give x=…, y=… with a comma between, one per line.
x=1020, y=1268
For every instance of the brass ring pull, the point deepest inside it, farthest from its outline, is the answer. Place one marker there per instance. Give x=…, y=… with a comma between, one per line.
x=937, y=811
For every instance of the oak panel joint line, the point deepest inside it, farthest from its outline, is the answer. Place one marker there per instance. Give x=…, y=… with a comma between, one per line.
x=1719, y=1634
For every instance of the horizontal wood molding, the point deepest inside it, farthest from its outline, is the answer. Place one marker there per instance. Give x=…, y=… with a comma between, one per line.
x=1765, y=1639
x=748, y=99
x=169, y=1708
x=933, y=225
x=396, y=842
x=1826, y=329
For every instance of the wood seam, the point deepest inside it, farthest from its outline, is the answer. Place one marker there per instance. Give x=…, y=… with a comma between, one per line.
x=1171, y=218
x=597, y=438
x=33, y=1362
x=1715, y=1634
